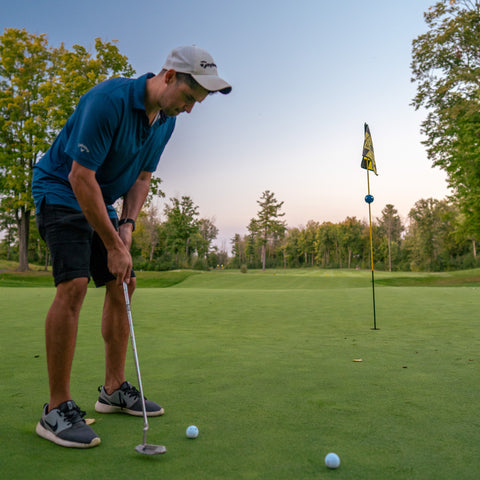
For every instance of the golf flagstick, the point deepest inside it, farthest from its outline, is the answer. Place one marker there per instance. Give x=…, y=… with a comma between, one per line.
x=368, y=163
x=143, y=448
x=369, y=200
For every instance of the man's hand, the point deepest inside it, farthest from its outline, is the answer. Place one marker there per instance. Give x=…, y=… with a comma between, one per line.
x=120, y=263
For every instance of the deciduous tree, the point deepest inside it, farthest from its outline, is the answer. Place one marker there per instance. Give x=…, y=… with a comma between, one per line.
x=180, y=226
x=39, y=88
x=446, y=69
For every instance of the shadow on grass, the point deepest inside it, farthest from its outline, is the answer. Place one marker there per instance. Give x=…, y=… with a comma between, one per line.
x=45, y=279
x=432, y=280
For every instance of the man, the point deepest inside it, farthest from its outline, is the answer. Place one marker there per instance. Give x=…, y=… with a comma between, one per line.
x=107, y=150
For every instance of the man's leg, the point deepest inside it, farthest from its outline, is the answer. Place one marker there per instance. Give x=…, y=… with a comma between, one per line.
x=62, y=420
x=115, y=332
x=68, y=236
x=61, y=334
x=118, y=395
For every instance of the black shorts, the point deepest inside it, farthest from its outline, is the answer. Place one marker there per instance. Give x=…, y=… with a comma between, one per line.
x=76, y=249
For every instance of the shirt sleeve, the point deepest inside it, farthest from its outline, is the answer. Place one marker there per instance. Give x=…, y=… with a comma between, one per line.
x=96, y=119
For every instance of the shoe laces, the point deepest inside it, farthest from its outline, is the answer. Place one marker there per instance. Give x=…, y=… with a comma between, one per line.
x=130, y=390
x=74, y=414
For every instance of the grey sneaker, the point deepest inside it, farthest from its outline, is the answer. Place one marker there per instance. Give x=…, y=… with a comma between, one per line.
x=126, y=400
x=65, y=426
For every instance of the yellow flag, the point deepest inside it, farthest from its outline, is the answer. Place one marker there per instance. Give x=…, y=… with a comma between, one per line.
x=368, y=157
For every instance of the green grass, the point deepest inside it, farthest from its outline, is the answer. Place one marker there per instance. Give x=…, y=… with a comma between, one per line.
x=263, y=364
x=273, y=279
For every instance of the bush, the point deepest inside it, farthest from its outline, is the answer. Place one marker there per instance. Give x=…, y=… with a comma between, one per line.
x=243, y=268
x=200, y=264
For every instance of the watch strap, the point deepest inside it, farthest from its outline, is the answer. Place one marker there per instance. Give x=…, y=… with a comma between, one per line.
x=123, y=221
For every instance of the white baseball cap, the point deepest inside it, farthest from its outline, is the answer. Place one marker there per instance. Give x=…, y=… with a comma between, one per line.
x=200, y=65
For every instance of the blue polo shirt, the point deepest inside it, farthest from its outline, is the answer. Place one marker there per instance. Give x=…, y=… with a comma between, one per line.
x=109, y=133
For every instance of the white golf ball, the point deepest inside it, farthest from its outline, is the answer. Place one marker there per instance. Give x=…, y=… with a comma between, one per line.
x=192, y=431
x=332, y=460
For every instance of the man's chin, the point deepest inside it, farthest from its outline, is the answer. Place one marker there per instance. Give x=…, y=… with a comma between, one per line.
x=172, y=112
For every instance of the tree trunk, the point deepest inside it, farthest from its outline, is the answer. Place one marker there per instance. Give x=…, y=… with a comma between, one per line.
x=23, y=236
x=474, y=249
x=389, y=241
x=263, y=257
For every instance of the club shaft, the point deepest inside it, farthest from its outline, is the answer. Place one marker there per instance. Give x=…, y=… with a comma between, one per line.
x=137, y=364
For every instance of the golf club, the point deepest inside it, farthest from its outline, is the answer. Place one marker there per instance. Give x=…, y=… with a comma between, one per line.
x=144, y=448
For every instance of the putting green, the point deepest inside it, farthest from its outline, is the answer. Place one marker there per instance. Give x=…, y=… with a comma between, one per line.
x=264, y=365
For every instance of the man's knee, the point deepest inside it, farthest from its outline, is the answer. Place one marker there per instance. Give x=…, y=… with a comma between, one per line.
x=73, y=291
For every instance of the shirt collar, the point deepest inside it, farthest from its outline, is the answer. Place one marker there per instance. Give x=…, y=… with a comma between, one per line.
x=139, y=88
x=139, y=91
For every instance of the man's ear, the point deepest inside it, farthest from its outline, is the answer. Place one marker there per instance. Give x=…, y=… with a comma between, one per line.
x=170, y=76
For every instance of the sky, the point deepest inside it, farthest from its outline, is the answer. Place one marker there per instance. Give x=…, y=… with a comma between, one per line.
x=306, y=76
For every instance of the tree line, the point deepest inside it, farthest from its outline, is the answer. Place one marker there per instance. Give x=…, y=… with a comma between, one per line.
x=431, y=239
x=182, y=240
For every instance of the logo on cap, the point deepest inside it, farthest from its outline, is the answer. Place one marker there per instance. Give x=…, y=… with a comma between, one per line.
x=205, y=64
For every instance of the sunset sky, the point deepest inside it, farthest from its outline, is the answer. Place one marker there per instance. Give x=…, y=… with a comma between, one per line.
x=306, y=76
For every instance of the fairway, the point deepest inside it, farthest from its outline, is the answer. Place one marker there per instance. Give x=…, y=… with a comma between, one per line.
x=263, y=364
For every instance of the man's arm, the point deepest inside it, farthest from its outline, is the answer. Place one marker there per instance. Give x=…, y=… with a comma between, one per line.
x=132, y=204
x=89, y=196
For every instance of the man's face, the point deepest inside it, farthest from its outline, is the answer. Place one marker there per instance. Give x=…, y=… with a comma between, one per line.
x=178, y=97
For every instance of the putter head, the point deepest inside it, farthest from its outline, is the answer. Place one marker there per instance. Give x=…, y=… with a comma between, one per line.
x=147, y=449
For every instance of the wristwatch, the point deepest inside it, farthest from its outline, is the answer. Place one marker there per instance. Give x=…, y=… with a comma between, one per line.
x=123, y=221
